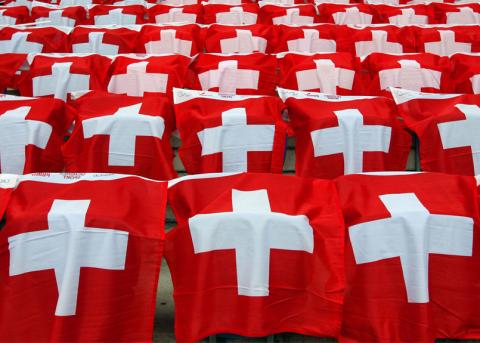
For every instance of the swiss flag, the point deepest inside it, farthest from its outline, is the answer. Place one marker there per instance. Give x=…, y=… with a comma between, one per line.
x=288, y=14
x=80, y=258
x=170, y=39
x=119, y=15
x=166, y=14
x=312, y=39
x=59, y=16
x=34, y=39
x=461, y=14
x=254, y=255
x=447, y=127
x=346, y=14
x=14, y=15
x=417, y=72
x=412, y=262
x=448, y=40
x=235, y=74
x=121, y=134
x=9, y=69
x=230, y=133
x=337, y=135
x=103, y=40
x=32, y=132
x=243, y=14
x=138, y=76
x=466, y=69
x=327, y=73
x=404, y=15
x=57, y=76
x=245, y=39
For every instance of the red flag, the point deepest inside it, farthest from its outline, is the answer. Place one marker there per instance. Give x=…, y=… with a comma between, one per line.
x=59, y=16
x=338, y=135
x=80, y=258
x=355, y=14
x=8, y=182
x=254, y=255
x=311, y=38
x=117, y=15
x=301, y=14
x=447, y=40
x=170, y=39
x=420, y=14
x=228, y=39
x=447, y=127
x=32, y=132
x=167, y=14
x=453, y=14
x=466, y=69
x=33, y=39
x=103, y=40
x=411, y=257
x=121, y=134
x=243, y=14
x=10, y=69
x=14, y=15
x=230, y=133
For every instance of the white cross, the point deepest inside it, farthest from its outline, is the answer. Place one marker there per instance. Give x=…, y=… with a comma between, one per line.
x=6, y=19
x=352, y=16
x=228, y=78
x=411, y=233
x=245, y=42
x=252, y=230
x=61, y=82
x=115, y=16
x=475, y=80
x=325, y=77
x=293, y=17
x=466, y=16
x=168, y=44
x=138, y=81
x=235, y=138
x=55, y=18
x=351, y=138
x=379, y=43
x=463, y=133
x=17, y=132
x=123, y=127
x=408, y=17
x=66, y=247
x=236, y=16
x=18, y=43
x=176, y=15
x=409, y=76
x=447, y=44
x=95, y=45
x=312, y=43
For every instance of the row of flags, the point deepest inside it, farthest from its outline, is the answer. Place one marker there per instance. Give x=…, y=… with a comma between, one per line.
x=191, y=39
x=242, y=14
x=368, y=257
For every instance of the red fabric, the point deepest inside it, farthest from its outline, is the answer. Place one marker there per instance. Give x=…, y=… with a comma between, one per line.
x=14, y=15
x=468, y=35
x=265, y=65
x=212, y=10
x=425, y=78
x=138, y=11
x=51, y=39
x=312, y=39
x=400, y=15
x=466, y=69
x=305, y=289
x=153, y=33
x=9, y=66
x=94, y=66
x=7, y=185
x=76, y=13
x=329, y=12
x=217, y=33
x=279, y=14
x=112, y=305
x=311, y=113
x=51, y=112
x=153, y=156
x=292, y=64
x=376, y=307
x=445, y=13
x=160, y=9
x=423, y=115
x=204, y=111
x=124, y=38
